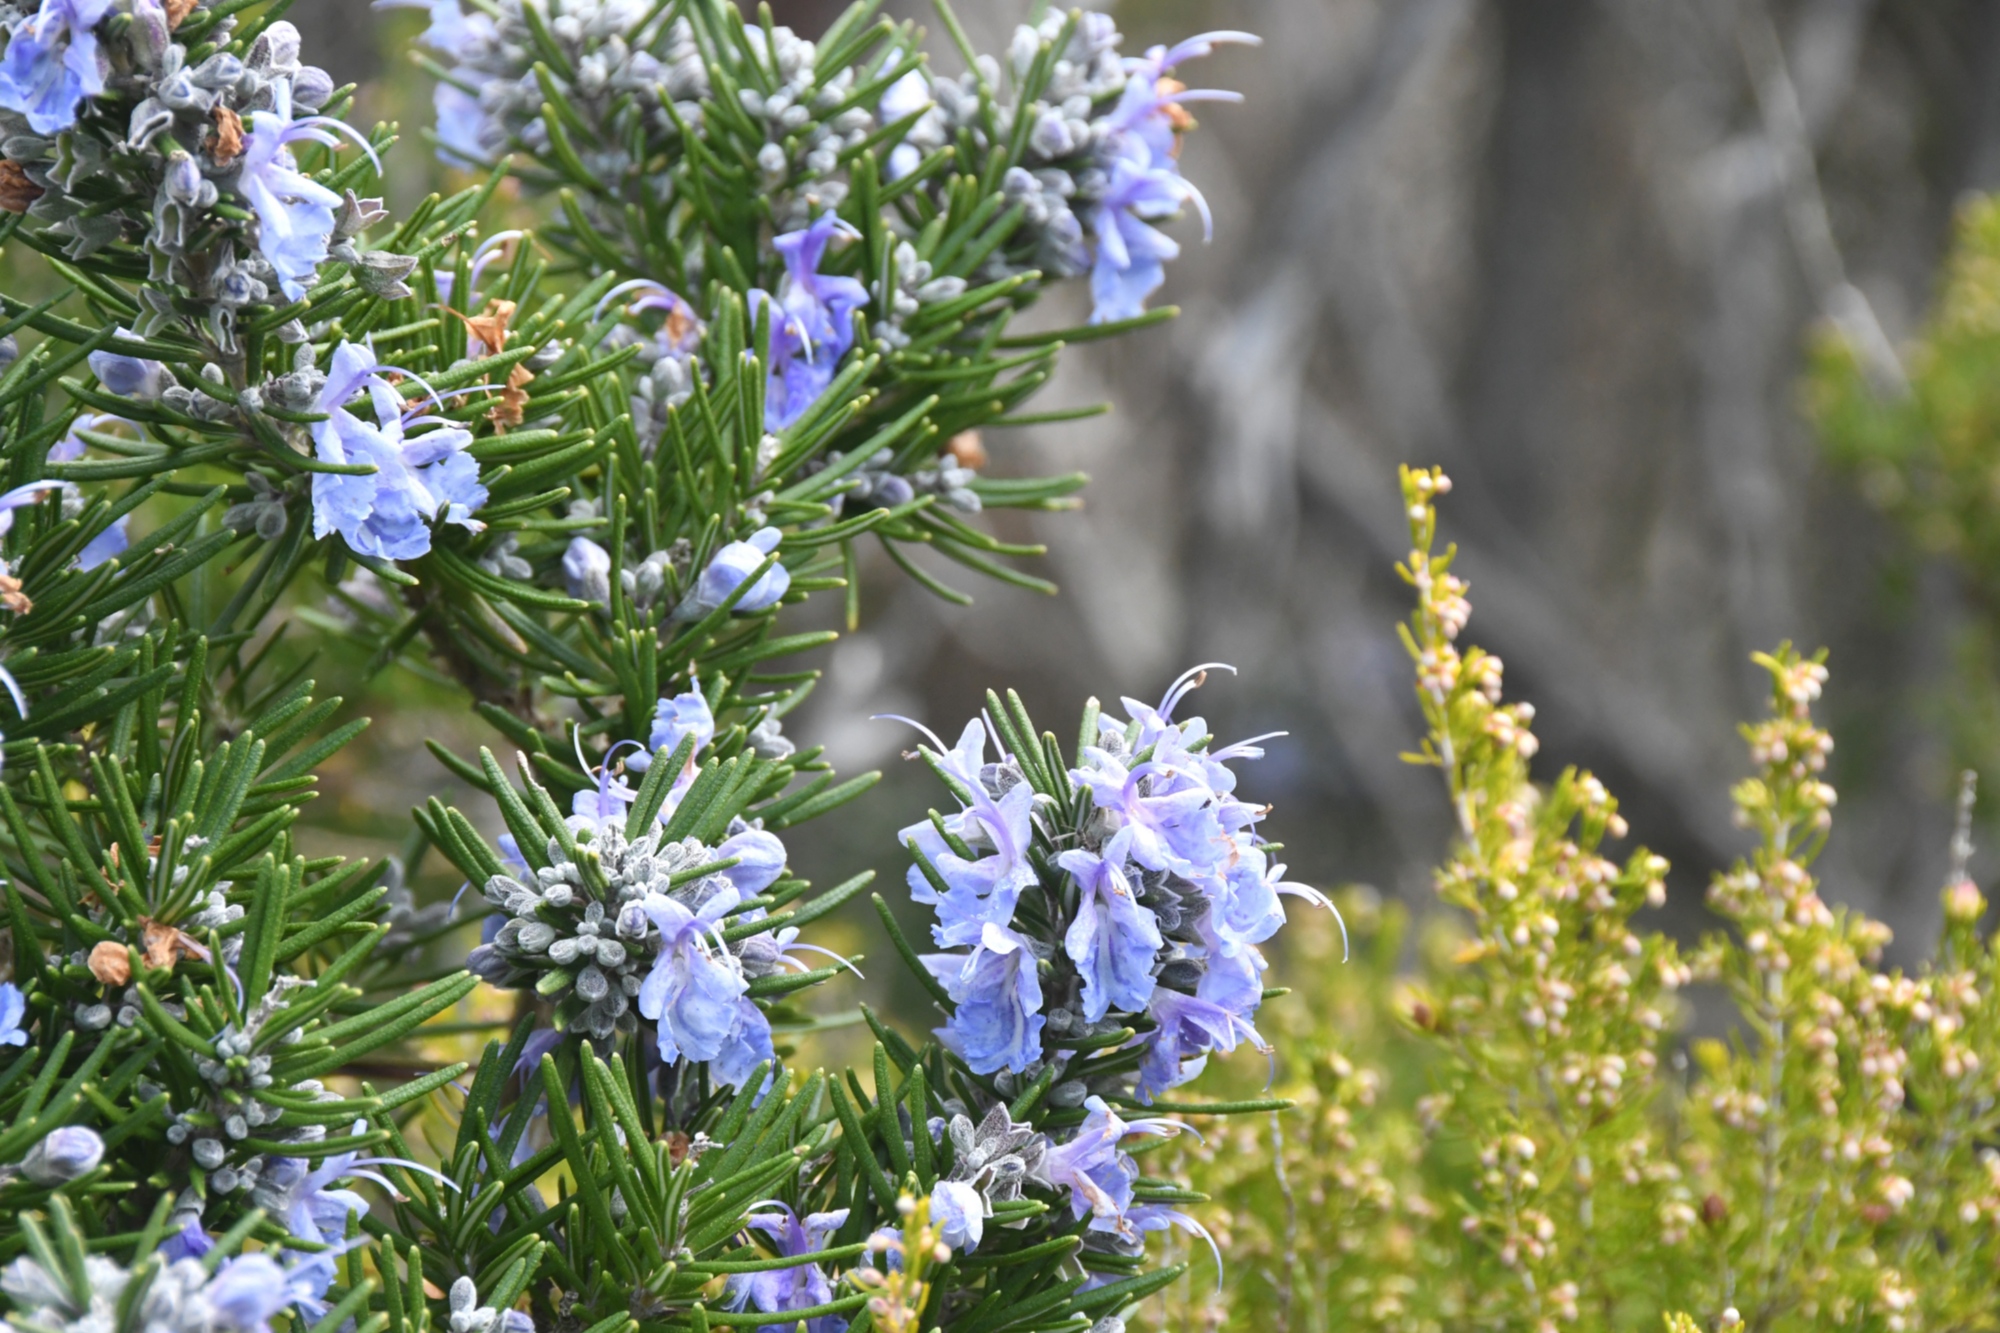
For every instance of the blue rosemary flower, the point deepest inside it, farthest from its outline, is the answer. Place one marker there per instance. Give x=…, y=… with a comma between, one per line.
x=106, y=545
x=13, y=1008
x=798, y=1287
x=53, y=63
x=1130, y=894
x=812, y=320
x=62, y=1155
x=295, y=213
x=729, y=569
x=998, y=1020
x=674, y=720
x=693, y=989
x=387, y=514
x=130, y=376
x=1113, y=941
x=1095, y=1168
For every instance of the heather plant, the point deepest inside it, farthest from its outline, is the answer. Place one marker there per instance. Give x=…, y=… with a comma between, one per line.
x=577, y=473
x=1511, y=1126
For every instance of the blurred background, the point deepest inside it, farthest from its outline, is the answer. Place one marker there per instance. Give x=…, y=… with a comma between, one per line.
x=1572, y=250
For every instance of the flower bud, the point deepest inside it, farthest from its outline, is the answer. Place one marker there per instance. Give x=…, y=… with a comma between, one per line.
x=184, y=179
x=311, y=88
x=64, y=1155
x=130, y=376
x=276, y=50
x=1963, y=903
x=150, y=34
x=220, y=70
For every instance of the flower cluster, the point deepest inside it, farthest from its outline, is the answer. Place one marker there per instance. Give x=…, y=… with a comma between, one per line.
x=614, y=925
x=114, y=132
x=241, y=1295
x=1101, y=168
x=1139, y=907
x=417, y=479
x=489, y=99
x=1101, y=926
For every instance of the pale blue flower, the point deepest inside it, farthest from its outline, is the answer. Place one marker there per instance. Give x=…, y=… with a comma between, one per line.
x=106, y=545
x=63, y=1155
x=387, y=514
x=248, y=1290
x=958, y=1210
x=295, y=214
x=73, y=446
x=674, y=720
x=985, y=890
x=130, y=376
x=998, y=1021
x=1188, y=1028
x=694, y=985
x=189, y=1242
x=452, y=31
x=747, y=1046
x=800, y=1287
x=462, y=126
x=1112, y=940
x=728, y=570
x=587, y=571
x=1163, y=824
x=13, y=1008
x=1098, y=1173
x=53, y=62
x=1144, y=182
x=812, y=321
x=1132, y=254
x=760, y=858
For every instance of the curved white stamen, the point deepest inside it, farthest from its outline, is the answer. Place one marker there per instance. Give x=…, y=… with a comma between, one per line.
x=27, y=494
x=14, y=689
x=1161, y=1128
x=411, y=375
x=633, y=285
x=814, y=948
x=1245, y=749
x=1188, y=681
x=1201, y=207
x=1196, y=47
x=404, y=1163
x=999, y=746
x=418, y=404
x=1189, y=1223
x=313, y=126
x=485, y=255
x=942, y=748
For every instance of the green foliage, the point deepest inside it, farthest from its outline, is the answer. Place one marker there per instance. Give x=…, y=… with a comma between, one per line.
x=1507, y=1134
x=1927, y=453
x=220, y=1038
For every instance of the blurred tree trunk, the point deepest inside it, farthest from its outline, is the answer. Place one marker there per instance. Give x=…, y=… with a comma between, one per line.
x=340, y=35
